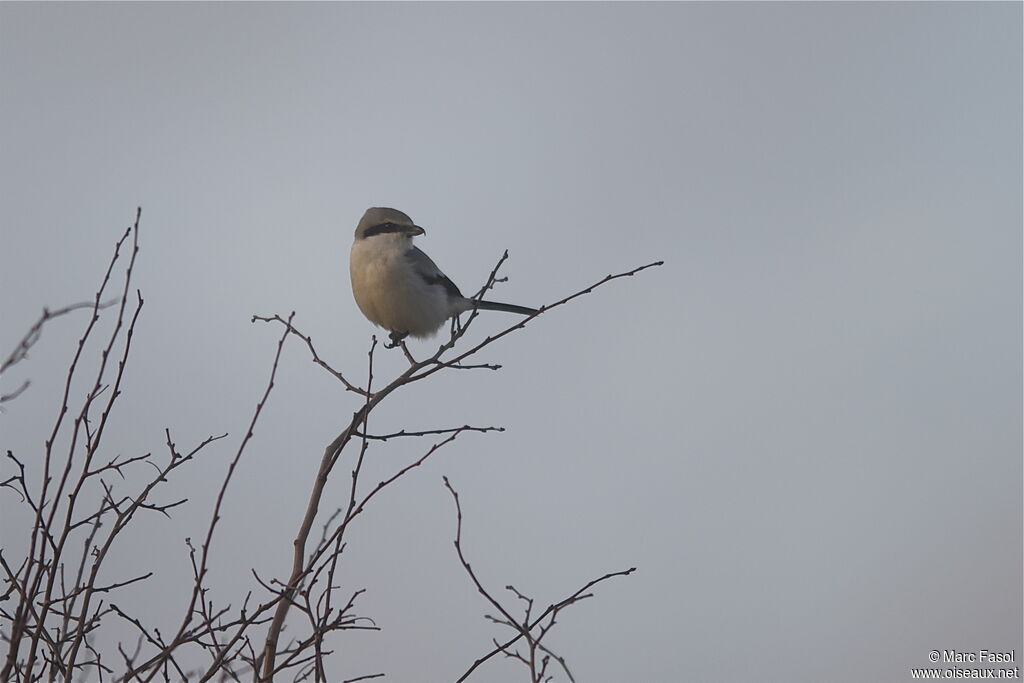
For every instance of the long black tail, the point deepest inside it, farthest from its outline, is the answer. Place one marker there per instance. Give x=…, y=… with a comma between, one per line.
x=507, y=308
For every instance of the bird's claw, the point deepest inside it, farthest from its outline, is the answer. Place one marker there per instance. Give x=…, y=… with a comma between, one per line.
x=396, y=339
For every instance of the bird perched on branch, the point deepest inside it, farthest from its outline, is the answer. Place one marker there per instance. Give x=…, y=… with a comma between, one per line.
x=400, y=288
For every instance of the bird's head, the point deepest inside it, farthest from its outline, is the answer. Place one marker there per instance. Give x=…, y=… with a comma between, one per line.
x=381, y=220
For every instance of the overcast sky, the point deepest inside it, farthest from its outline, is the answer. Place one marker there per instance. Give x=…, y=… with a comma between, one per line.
x=804, y=429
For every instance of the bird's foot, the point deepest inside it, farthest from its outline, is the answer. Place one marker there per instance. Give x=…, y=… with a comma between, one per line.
x=396, y=339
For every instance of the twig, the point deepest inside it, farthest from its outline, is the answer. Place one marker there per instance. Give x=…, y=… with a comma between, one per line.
x=60, y=602
x=197, y=587
x=427, y=432
x=522, y=323
x=362, y=678
x=20, y=351
x=416, y=371
x=524, y=629
x=312, y=350
x=42, y=575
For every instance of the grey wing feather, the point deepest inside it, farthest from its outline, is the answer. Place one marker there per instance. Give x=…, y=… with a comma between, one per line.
x=430, y=273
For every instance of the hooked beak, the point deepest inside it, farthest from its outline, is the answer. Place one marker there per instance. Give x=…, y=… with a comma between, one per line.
x=413, y=230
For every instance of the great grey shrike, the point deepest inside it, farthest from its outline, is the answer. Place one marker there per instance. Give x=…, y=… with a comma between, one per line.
x=397, y=286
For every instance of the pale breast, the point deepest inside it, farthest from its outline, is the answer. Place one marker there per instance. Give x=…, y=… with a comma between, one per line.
x=390, y=294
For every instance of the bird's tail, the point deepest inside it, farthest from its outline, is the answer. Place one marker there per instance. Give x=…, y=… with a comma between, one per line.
x=507, y=308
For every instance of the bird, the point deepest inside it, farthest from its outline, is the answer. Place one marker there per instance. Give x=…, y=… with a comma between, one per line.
x=398, y=287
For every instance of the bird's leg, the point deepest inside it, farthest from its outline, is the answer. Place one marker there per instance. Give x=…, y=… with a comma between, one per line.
x=396, y=339
x=457, y=325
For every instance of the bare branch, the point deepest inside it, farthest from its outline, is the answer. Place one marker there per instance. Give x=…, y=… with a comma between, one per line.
x=200, y=574
x=525, y=628
x=59, y=597
x=312, y=350
x=427, y=432
x=20, y=352
x=362, y=678
x=42, y=574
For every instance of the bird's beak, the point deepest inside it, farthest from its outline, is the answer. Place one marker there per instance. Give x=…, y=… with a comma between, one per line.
x=414, y=230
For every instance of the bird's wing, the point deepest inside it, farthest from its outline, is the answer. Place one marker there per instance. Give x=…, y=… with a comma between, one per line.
x=430, y=273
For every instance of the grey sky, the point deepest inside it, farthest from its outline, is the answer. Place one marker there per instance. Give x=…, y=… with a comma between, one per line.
x=804, y=429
